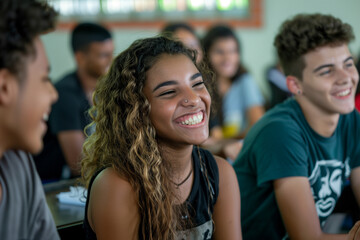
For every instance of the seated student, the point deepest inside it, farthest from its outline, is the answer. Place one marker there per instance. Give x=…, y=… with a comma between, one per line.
x=277, y=82
x=296, y=159
x=146, y=177
x=26, y=96
x=185, y=34
x=93, y=47
x=241, y=102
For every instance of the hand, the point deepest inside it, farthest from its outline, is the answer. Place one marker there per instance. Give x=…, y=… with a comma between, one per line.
x=354, y=233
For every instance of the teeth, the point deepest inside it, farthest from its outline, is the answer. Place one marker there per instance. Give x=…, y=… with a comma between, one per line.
x=343, y=93
x=193, y=120
x=45, y=117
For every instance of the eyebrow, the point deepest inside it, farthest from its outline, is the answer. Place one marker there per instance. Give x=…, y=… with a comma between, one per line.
x=349, y=58
x=195, y=76
x=330, y=65
x=173, y=82
x=163, y=84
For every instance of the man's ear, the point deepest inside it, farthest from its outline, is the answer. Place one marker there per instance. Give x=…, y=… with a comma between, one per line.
x=294, y=85
x=8, y=86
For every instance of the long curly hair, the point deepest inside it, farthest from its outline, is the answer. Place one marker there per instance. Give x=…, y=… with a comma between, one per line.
x=125, y=139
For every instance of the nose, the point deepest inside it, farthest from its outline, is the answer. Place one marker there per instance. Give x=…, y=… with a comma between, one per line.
x=190, y=98
x=343, y=76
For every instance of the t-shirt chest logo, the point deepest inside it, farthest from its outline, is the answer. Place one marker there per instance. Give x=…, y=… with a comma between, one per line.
x=326, y=182
x=202, y=232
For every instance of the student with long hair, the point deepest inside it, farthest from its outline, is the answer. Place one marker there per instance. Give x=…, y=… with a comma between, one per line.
x=146, y=176
x=239, y=101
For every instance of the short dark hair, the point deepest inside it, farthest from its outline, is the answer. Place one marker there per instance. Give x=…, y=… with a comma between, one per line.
x=306, y=32
x=86, y=33
x=21, y=22
x=171, y=28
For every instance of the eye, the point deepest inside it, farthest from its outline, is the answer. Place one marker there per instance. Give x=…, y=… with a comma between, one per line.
x=325, y=72
x=219, y=51
x=167, y=93
x=201, y=83
x=349, y=65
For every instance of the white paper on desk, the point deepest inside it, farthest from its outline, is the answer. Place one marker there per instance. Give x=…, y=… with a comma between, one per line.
x=76, y=196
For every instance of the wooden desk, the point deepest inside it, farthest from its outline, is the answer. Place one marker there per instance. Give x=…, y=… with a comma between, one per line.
x=63, y=214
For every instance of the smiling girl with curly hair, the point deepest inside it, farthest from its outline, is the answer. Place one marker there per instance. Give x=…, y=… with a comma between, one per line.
x=146, y=176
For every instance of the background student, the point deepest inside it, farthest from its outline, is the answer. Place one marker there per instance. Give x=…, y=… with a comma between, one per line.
x=241, y=102
x=93, y=48
x=146, y=176
x=297, y=158
x=26, y=96
x=186, y=34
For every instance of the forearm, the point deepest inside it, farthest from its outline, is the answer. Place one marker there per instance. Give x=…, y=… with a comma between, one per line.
x=326, y=236
x=355, y=184
x=71, y=144
x=298, y=211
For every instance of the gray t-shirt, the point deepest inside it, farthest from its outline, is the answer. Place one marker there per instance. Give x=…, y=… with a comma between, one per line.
x=24, y=213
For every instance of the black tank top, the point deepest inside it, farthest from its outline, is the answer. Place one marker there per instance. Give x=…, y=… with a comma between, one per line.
x=200, y=203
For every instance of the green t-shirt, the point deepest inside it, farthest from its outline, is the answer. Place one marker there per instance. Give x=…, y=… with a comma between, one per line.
x=282, y=144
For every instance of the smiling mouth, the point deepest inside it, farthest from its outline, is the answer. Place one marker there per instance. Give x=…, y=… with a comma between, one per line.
x=192, y=119
x=343, y=93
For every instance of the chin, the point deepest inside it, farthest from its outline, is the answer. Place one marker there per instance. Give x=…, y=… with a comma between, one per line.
x=343, y=112
x=35, y=148
x=347, y=109
x=200, y=141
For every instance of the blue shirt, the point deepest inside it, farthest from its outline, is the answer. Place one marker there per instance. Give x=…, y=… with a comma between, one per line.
x=242, y=95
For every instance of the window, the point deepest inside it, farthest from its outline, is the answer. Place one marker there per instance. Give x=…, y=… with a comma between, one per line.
x=153, y=12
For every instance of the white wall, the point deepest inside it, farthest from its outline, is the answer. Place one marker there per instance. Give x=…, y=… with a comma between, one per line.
x=257, y=43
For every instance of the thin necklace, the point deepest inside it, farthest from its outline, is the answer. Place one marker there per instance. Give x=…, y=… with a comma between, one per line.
x=183, y=181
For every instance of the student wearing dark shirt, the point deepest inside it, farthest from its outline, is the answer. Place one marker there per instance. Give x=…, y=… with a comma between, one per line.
x=93, y=47
x=295, y=161
x=147, y=177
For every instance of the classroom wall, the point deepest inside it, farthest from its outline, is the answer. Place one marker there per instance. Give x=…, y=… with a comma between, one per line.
x=257, y=43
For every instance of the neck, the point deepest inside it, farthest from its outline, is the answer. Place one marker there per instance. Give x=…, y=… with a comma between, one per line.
x=4, y=139
x=224, y=85
x=179, y=158
x=224, y=80
x=1, y=152
x=87, y=81
x=322, y=122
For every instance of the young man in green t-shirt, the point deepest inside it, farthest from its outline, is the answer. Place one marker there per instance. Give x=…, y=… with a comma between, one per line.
x=297, y=158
